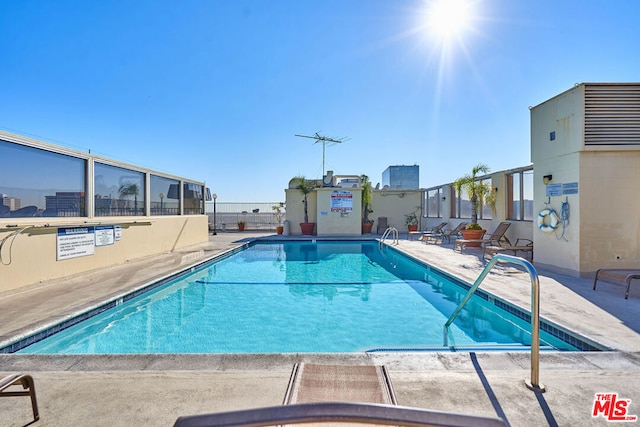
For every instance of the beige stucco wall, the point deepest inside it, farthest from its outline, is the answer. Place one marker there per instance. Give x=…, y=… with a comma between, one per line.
x=30, y=257
x=332, y=223
x=609, y=220
x=604, y=226
x=560, y=158
x=295, y=209
x=394, y=204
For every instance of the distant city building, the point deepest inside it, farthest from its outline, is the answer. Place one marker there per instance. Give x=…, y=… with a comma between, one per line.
x=65, y=203
x=12, y=202
x=402, y=177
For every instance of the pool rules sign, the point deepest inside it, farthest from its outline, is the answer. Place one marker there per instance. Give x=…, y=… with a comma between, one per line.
x=75, y=242
x=82, y=241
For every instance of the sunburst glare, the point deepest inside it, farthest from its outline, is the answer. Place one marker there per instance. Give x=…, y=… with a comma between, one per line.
x=447, y=20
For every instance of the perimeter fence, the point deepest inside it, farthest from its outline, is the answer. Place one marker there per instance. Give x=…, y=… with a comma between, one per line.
x=255, y=216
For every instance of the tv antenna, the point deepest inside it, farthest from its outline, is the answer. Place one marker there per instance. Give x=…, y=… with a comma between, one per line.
x=325, y=140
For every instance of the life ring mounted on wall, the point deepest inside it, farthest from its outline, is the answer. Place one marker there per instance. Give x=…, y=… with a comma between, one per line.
x=551, y=224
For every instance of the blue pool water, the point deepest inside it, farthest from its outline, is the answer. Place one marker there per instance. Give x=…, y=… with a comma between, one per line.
x=298, y=297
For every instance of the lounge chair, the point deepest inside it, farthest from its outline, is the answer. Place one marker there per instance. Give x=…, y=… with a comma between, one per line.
x=345, y=383
x=619, y=276
x=382, y=224
x=494, y=238
x=434, y=233
x=337, y=412
x=521, y=245
x=28, y=389
x=455, y=232
x=337, y=393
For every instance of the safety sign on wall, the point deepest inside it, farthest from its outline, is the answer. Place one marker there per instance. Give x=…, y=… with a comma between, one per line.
x=341, y=201
x=104, y=235
x=75, y=242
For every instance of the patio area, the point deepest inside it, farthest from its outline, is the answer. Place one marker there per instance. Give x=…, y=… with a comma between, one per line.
x=154, y=390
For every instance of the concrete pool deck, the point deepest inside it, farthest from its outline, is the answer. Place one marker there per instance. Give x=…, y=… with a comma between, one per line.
x=153, y=390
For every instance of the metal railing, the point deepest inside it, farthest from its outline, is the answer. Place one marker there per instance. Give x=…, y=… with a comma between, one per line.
x=390, y=231
x=535, y=313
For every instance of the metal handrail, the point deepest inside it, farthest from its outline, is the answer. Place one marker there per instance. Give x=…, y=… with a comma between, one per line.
x=390, y=230
x=535, y=313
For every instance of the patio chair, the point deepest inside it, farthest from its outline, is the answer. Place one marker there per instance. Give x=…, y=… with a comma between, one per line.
x=345, y=383
x=521, y=245
x=617, y=276
x=337, y=412
x=433, y=233
x=382, y=224
x=28, y=389
x=337, y=393
x=494, y=238
x=455, y=232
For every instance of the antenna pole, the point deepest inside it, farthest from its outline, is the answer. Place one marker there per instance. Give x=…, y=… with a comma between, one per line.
x=324, y=140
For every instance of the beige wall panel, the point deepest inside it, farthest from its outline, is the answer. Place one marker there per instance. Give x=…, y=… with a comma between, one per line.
x=336, y=223
x=609, y=212
x=563, y=115
x=395, y=204
x=561, y=254
x=31, y=255
x=295, y=209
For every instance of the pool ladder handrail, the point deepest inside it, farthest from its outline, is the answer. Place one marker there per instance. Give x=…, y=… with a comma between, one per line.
x=390, y=231
x=534, y=384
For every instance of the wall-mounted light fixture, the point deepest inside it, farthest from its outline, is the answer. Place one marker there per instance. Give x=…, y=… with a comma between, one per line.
x=547, y=179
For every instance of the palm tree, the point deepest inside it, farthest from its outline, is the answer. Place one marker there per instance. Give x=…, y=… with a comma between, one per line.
x=130, y=189
x=366, y=199
x=475, y=189
x=305, y=187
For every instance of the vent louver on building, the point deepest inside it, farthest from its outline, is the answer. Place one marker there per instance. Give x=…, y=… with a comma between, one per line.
x=612, y=114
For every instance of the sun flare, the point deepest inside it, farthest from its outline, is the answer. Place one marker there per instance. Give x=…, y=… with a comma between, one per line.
x=447, y=19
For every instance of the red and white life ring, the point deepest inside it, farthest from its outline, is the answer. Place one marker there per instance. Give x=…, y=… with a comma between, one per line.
x=548, y=225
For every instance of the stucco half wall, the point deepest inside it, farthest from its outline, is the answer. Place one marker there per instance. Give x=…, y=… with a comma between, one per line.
x=29, y=253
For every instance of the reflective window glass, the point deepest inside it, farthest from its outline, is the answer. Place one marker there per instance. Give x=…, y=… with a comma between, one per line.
x=527, y=194
x=464, y=205
x=36, y=182
x=433, y=203
x=487, y=210
x=193, y=199
x=118, y=191
x=165, y=196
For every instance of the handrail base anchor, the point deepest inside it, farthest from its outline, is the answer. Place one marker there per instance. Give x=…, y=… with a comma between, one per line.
x=538, y=388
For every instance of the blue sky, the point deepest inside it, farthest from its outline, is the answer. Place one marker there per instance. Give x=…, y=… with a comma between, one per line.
x=215, y=90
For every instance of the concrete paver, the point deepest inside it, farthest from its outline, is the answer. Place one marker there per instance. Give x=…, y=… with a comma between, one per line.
x=153, y=390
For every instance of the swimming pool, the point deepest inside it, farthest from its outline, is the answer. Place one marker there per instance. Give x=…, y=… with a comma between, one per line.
x=302, y=296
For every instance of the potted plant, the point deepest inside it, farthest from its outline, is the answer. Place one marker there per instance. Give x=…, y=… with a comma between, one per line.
x=367, y=196
x=278, y=210
x=241, y=225
x=411, y=221
x=305, y=187
x=478, y=191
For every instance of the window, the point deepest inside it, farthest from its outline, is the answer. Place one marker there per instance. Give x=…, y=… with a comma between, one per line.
x=36, y=182
x=486, y=212
x=118, y=191
x=463, y=203
x=193, y=199
x=433, y=203
x=165, y=196
x=520, y=195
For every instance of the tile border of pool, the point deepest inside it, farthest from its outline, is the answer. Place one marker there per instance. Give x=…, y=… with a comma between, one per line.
x=26, y=338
